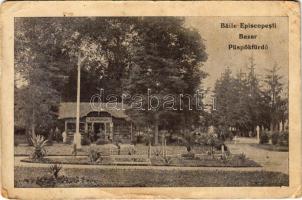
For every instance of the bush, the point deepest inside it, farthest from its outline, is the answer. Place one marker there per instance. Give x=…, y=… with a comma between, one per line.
x=202, y=139
x=85, y=140
x=65, y=181
x=131, y=151
x=212, y=141
x=101, y=141
x=188, y=155
x=157, y=151
x=283, y=138
x=226, y=158
x=167, y=160
x=219, y=144
x=242, y=157
x=264, y=138
x=39, y=144
x=180, y=140
x=55, y=169
x=226, y=135
x=46, y=181
x=139, y=139
x=144, y=138
x=189, y=148
x=280, y=138
x=93, y=154
x=275, y=138
x=231, y=135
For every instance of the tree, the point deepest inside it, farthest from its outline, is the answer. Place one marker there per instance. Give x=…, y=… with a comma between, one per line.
x=117, y=53
x=242, y=113
x=276, y=104
x=253, y=98
x=35, y=96
x=238, y=100
x=44, y=55
x=242, y=102
x=227, y=98
x=113, y=40
x=167, y=62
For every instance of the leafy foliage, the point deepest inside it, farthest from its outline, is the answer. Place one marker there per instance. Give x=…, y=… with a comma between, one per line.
x=38, y=74
x=131, y=151
x=167, y=160
x=157, y=151
x=264, y=138
x=55, y=169
x=116, y=54
x=39, y=144
x=276, y=100
x=169, y=64
x=245, y=101
x=85, y=140
x=188, y=155
x=242, y=157
x=283, y=138
x=275, y=138
x=93, y=154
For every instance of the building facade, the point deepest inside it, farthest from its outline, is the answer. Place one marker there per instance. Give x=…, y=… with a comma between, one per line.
x=109, y=123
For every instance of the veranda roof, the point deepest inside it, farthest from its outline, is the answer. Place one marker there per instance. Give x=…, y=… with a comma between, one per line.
x=69, y=109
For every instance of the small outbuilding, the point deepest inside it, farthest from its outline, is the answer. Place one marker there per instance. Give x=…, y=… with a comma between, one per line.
x=108, y=122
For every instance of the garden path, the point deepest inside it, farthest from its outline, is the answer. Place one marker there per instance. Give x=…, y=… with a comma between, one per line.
x=270, y=160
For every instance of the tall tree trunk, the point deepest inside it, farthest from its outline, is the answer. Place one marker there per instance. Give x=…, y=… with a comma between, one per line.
x=156, y=129
x=33, y=133
x=271, y=126
x=28, y=136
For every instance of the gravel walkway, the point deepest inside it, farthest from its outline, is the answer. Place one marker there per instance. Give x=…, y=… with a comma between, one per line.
x=270, y=160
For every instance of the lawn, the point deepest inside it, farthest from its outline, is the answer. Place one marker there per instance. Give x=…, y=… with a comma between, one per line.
x=145, y=176
x=127, y=177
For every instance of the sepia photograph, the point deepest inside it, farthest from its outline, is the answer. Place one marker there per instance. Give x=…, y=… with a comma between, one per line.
x=161, y=101
x=150, y=99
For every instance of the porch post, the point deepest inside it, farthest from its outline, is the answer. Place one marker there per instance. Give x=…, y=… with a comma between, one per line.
x=111, y=128
x=65, y=127
x=86, y=127
x=105, y=131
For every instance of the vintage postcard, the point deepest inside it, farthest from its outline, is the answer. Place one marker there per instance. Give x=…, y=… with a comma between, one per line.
x=141, y=99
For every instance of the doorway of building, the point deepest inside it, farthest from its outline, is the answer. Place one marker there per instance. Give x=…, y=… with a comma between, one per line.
x=99, y=130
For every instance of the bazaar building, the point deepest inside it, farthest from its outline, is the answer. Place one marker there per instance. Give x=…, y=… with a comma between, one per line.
x=109, y=123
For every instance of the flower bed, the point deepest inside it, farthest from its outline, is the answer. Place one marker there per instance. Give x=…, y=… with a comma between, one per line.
x=206, y=161
x=61, y=181
x=66, y=150
x=64, y=181
x=198, y=161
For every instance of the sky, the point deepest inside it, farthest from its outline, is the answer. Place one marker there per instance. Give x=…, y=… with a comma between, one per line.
x=217, y=42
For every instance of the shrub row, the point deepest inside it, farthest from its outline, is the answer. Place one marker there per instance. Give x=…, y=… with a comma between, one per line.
x=278, y=138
